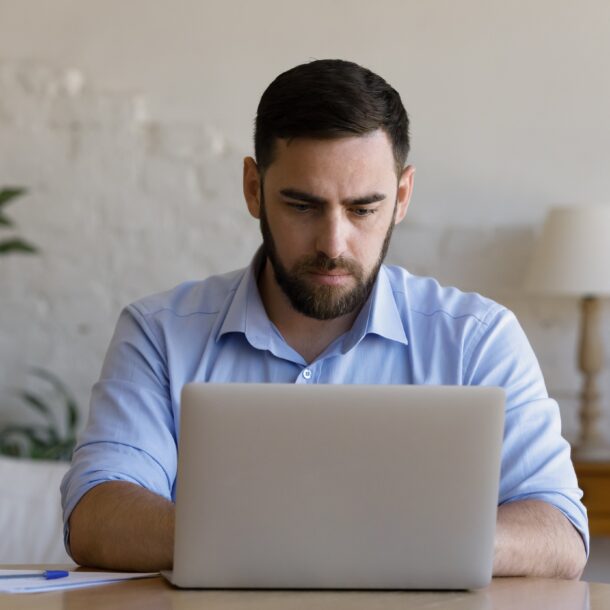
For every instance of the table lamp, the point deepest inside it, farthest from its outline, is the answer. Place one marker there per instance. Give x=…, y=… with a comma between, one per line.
x=572, y=259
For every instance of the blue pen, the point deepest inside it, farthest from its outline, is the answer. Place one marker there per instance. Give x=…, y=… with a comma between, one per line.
x=47, y=574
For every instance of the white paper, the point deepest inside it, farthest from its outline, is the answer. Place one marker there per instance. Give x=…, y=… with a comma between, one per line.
x=75, y=580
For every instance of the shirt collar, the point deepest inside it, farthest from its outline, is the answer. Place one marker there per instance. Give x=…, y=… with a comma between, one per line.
x=379, y=315
x=246, y=311
x=247, y=315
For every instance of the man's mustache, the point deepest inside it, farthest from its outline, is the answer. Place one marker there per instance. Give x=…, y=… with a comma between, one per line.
x=321, y=263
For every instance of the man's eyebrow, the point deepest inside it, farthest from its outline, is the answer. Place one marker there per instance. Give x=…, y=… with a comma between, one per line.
x=367, y=199
x=302, y=196
x=309, y=198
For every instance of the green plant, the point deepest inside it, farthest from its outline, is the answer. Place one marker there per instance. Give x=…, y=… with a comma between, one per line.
x=12, y=244
x=50, y=439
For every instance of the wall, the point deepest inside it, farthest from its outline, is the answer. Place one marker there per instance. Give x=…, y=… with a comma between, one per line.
x=128, y=122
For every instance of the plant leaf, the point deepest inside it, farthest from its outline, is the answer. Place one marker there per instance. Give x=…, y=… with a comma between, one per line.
x=34, y=434
x=13, y=429
x=17, y=245
x=8, y=446
x=5, y=221
x=53, y=379
x=53, y=437
x=73, y=416
x=10, y=449
x=7, y=194
x=37, y=403
x=38, y=436
x=60, y=451
x=43, y=441
x=38, y=443
x=72, y=410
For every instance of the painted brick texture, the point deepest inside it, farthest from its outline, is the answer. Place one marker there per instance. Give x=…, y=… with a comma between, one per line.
x=122, y=205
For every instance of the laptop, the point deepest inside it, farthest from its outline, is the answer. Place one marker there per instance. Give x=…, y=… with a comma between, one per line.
x=285, y=486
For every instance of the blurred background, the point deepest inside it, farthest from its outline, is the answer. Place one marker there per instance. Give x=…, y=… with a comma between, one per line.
x=127, y=122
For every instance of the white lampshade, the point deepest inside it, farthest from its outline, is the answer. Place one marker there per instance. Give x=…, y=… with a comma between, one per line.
x=572, y=257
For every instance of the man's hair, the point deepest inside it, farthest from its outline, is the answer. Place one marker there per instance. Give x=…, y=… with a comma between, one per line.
x=329, y=98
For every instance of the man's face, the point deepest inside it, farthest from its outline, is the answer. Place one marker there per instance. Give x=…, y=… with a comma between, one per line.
x=327, y=209
x=319, y=299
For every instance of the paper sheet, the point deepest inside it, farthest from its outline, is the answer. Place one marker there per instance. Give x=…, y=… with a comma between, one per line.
x=75, y=580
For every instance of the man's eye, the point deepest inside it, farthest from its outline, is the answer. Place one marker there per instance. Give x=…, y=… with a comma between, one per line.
x=362, y=212
x=300, y=207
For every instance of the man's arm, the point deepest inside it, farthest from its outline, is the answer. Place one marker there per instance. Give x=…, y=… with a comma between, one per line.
x=534, y=538
x=122, y=526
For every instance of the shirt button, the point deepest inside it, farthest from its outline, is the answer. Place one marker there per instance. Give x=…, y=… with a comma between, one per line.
x=307, y=374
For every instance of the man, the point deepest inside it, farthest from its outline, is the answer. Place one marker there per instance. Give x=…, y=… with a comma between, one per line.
x=316, y=306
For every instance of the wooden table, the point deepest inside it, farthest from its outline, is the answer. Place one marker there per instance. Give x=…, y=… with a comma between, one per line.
x=594, y=480
x=157, y=594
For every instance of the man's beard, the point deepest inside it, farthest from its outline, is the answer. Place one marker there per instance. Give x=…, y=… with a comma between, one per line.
x=315, y=301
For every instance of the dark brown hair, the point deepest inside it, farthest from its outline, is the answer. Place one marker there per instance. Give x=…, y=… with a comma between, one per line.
x=329, y=98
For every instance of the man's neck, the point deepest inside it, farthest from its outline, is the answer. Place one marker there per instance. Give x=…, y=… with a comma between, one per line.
x=307, y=336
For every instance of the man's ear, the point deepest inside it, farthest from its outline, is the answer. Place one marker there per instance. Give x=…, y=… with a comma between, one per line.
x=405, y=190
x=252, y=186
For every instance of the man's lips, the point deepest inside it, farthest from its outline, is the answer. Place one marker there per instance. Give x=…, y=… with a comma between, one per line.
x=331, y=277
x=331, y=272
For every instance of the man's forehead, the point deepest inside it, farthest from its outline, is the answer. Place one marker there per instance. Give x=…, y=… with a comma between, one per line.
x=314, y=140
x=371, y=150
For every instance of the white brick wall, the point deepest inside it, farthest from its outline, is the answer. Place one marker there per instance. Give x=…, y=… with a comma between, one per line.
x=122, y=206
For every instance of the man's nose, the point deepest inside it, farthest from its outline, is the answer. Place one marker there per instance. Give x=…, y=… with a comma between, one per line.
x=332, y=236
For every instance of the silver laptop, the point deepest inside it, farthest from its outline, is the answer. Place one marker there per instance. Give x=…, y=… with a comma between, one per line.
x=337, y=486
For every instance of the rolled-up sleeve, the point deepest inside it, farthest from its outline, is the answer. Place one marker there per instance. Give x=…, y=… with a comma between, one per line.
x=536, y=461
x=130, y=435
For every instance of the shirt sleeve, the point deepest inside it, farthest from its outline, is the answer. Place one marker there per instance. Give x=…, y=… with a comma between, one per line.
x=536, y=461
x=130, y=434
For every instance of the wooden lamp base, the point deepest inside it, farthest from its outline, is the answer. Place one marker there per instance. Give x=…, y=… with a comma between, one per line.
x=592, y=445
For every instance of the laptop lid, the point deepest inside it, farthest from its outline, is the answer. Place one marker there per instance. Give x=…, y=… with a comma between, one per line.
x=337, y=486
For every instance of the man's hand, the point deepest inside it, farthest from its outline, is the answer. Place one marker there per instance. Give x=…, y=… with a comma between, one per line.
x=534, y=538
x=122, y=526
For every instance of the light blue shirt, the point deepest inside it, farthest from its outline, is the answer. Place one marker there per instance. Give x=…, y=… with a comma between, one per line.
x=411, y=330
